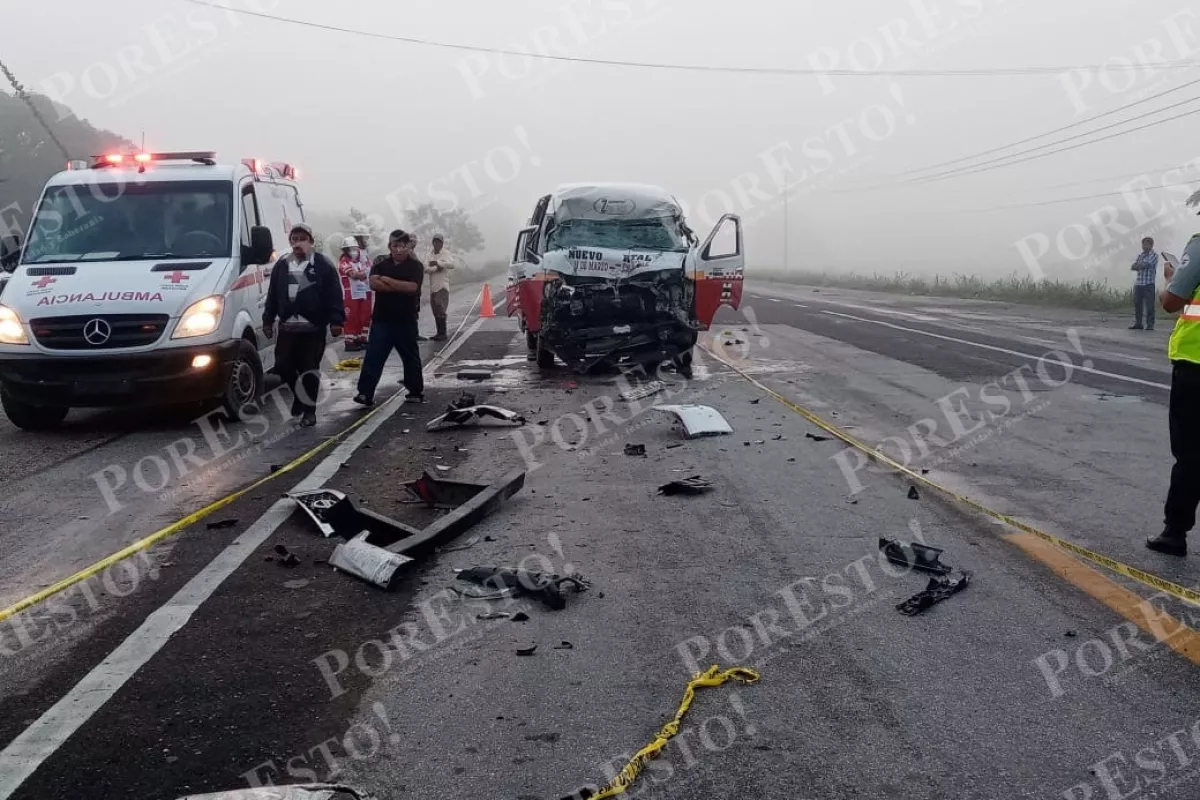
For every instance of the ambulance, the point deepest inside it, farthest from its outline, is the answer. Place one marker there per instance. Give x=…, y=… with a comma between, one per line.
x=142, y=282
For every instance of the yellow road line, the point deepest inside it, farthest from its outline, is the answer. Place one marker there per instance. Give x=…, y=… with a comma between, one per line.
x=1034, y=541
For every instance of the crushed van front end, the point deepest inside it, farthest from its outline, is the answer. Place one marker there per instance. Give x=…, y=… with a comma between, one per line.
x=646, y=319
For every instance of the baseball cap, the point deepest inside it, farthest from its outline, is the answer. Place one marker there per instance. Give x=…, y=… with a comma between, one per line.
x=437, y=237
x=300, y=226
x=403, y=237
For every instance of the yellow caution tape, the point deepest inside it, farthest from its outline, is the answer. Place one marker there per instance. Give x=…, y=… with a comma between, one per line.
x=1133, y=573
x=348, y=364
x=713, y=677
x=177, y=526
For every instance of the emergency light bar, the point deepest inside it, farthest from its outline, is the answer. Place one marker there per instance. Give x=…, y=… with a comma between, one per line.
x=208, y=157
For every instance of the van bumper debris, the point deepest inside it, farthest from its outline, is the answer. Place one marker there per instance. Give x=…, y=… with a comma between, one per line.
x=914, y=555
x=698, y=420
x=937, y=590
x=308, y=791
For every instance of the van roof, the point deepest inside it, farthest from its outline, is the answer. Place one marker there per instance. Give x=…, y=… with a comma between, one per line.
x=600, y=201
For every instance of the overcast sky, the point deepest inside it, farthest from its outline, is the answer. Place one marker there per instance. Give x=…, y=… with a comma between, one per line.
x=363, y=117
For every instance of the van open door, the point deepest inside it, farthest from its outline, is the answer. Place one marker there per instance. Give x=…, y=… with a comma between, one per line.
x=524, y=294
x=719, y=269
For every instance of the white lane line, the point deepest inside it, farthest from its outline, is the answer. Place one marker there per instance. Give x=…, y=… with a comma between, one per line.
x=799, y=305
x=39, y=741
x=958, y=340
x=1036, y=340
x=774, y=299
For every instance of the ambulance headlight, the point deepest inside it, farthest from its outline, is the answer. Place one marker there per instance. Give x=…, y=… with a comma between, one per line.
x=11, y=329
x=201, y=318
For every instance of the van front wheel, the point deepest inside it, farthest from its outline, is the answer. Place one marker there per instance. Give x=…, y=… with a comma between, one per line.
x=244, y=387
x=29, y=417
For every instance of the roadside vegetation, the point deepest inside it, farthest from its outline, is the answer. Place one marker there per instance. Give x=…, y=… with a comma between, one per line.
x=1088, y=294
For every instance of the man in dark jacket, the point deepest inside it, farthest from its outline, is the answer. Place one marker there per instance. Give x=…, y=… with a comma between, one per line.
x=396, y=281
x=305, y=295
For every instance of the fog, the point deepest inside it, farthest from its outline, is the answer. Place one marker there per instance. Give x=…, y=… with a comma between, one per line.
x=363, y=118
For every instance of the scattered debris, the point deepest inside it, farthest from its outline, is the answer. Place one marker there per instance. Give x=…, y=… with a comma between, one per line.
x=816, y=438
x=937, y=590
x=494, y=615
x=348, y=364
x=1070, y=634
x=521, y=616
x=474, y=375
x=756, y=401
x=545, y=586
x=692, y=485
x=429, y=448
x=564, y=646
x=459, y=416
x=777, y=437
x=296, y=584
x=759, y=441
x=914, y=555
x=791, y=459
x=698, y=420
x=276, y=467
x=364, y=560
x=527, y=651
x=924, y=471
x=852, y=501
x=674, y=445
x=913, y=494
x=443, y=467
x=645, y=390
x=289, y=559
x=222, y=524
x=635, y=449
x=315, y=503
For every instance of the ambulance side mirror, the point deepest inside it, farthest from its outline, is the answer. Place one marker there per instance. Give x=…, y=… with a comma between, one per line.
x=10, y=252
x=261, y=245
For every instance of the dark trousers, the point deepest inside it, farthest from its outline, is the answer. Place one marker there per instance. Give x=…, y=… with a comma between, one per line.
x=1184, y=494
x=1144, y=298
x=439, y=302
x=298, y=357
x=383, y=338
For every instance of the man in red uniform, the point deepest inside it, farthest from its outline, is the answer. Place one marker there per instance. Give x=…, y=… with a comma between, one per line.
x=355, y=269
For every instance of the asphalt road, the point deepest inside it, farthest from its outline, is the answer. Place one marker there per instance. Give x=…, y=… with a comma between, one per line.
x=1033, y=682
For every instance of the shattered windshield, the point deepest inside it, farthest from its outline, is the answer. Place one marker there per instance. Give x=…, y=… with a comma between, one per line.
x=130, y=222
x=637, y=234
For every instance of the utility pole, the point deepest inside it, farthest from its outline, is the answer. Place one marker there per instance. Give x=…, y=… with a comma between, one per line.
x=785, y=227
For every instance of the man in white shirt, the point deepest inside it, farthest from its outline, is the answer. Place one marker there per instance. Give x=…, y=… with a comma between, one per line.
x=437, y=266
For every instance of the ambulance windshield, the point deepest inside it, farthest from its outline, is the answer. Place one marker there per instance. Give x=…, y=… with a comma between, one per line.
x=131, y=222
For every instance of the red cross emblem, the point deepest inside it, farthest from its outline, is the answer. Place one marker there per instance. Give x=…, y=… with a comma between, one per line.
x=44, y=281
x=177, y=276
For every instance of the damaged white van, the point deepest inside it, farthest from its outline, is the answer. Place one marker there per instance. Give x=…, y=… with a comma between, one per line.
x=611, y=274
x=143, y=282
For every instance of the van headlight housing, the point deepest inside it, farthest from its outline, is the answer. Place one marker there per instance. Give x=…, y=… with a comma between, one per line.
x=11, y=329
x=201, y=318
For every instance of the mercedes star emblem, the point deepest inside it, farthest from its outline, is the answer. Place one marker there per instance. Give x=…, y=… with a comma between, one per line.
x=96, y=331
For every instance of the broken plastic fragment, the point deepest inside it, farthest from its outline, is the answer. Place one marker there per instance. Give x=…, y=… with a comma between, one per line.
x=698, y=420
x=692, y=485
x=914, y=555
x=913, y=494
x=937, y=590
x=367, y=561
x=645, y=390
x=307, y=791
x=816, y=438
x=527, y=651
x=474, y=414
x=315, y=503
x=635, y=449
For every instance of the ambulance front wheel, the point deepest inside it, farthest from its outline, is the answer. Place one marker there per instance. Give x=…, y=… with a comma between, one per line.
x=244, y=386
x=30, y=417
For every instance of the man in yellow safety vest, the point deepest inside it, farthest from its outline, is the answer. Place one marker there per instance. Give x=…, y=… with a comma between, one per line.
x=1184, y=352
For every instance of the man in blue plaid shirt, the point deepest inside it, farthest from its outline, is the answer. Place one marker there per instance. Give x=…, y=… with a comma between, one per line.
x=1145, y=266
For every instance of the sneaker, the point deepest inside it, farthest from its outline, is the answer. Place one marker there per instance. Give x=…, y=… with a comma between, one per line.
x=441, y=337
x=1136, y=327
x=309, y=419
x=414, y=398
x=363, y=400
x=1169, y=543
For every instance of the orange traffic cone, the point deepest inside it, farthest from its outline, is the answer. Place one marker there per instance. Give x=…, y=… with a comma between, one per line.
x=485, y=305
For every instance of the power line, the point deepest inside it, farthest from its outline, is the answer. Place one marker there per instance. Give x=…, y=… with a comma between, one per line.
x=955, y=174
x=1028, y=139
x=848, y=73
x=24, y=96
x=973, y=167
x=1073, y=199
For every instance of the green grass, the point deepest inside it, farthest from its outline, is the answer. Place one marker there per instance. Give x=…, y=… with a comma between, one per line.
x=1094, y=295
